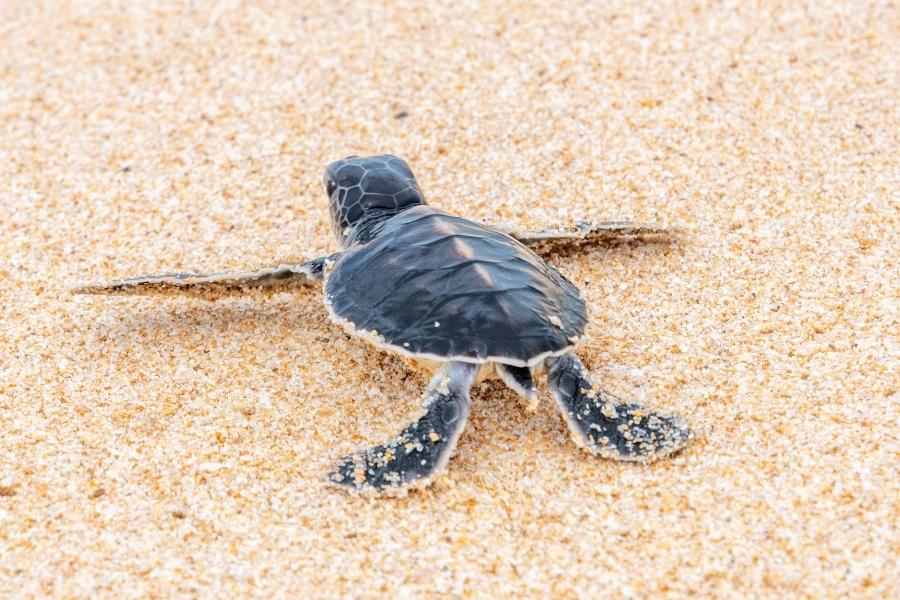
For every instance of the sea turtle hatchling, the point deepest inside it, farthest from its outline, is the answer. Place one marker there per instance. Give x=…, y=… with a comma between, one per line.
x=459, y=299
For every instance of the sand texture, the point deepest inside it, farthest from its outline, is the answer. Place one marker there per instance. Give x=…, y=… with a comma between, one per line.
x=178, y=447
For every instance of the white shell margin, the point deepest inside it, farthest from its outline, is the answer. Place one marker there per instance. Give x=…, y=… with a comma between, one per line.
x=376, y=339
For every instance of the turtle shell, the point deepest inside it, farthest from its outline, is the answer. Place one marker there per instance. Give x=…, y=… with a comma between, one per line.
x=437, y=286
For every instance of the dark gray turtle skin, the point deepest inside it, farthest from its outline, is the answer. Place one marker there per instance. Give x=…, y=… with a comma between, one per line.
x=434, y=285
x=462, y=300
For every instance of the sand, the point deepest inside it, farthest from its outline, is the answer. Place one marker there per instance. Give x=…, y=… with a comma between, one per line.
x=156, y=447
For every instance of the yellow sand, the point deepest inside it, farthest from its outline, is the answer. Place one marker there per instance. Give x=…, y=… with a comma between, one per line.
x=161, y=447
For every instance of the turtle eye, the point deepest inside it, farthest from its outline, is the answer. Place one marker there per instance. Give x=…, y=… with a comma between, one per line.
x=330, y=185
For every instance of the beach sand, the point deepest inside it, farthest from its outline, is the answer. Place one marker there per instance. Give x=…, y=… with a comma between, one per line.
x=160, y=447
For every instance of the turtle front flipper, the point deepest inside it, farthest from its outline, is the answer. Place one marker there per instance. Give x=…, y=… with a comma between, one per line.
x=591, y=232
x=423, y=448
x=607, y=425
x=284, y=274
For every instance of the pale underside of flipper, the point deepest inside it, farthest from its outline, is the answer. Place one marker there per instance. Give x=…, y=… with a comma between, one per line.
x=286, y=274
x=592, y=232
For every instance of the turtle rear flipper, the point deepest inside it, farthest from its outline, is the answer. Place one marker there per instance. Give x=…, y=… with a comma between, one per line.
x=605, y=424
x=592, y=232
x=423, y=448
x=168, y=283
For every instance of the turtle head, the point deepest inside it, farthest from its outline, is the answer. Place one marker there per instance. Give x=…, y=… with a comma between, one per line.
x=358, y=186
